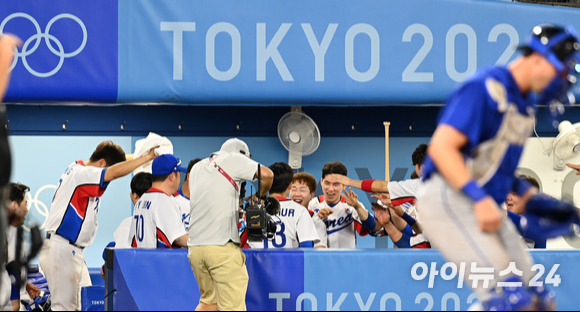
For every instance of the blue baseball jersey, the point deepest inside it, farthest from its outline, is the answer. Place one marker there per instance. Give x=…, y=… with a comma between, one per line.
x=494, y=115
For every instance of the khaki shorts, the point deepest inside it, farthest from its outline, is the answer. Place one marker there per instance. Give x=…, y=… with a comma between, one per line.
x=221, y=275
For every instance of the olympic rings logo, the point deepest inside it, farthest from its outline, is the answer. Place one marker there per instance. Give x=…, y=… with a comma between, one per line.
x=31, y=44
x=39, y=207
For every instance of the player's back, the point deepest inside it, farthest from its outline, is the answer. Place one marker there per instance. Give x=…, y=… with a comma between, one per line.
x=156, y=223
x=293, y=226
x=73, y=212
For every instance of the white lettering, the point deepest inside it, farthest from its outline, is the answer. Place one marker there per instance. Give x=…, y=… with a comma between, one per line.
x=270, y=51
x=178, y=28
x=334, y=307
x=365, y=306
x=279, y=297
x=319, y=49
x=234, y=34
x=373, y=70
x=392, y=296
x=305, y=296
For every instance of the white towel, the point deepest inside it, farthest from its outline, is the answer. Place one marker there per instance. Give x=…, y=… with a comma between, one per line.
x=144, y=145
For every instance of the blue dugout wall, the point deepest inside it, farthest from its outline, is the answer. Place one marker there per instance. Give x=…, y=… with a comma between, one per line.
x=328, y=280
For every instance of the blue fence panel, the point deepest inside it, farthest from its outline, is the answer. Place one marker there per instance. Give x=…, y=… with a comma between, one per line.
x=302, y=280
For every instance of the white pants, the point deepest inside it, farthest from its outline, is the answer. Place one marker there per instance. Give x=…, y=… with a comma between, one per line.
x=449, y=222
x=66, y=272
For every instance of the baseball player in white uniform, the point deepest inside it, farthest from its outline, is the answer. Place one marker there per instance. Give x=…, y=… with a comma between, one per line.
x=182, y=196
x=71, y=224
x=403, y=229
x=294, y=226
x=343, y=214
x=156, y=222
x=302, y=191
x=140, y=183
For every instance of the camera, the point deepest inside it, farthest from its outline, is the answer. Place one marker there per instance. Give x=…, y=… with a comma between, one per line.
x=259, y=221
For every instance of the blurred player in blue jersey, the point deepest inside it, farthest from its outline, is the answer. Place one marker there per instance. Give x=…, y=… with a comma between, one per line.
x=472, y=158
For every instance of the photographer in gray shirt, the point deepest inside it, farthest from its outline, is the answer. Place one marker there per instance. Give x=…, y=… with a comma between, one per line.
x=215, y=256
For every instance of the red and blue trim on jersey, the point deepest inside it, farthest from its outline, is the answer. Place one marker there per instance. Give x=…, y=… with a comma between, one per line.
x=281, y=199
x=156, y=190
x=75, y=214
x=321, y=199
x=403, y=200
x=162, y=241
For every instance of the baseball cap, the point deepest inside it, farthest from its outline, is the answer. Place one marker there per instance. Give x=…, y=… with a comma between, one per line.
x=235, y=145
x=166, y=164
x=557, y=44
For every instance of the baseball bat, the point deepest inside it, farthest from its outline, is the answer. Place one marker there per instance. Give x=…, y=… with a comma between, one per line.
x=387, y=169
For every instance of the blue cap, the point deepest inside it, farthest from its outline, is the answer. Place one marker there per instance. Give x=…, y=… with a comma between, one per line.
x=166, y=164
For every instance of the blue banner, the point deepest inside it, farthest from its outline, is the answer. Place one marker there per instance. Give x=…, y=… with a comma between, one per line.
x=332, y=280
x=69, y=50
x=257, y=52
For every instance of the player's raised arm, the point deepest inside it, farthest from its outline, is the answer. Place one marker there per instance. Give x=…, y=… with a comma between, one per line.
x=367, y=220
x=124, y=168
x=7, y=44
x=266, y=179
x=370, y=186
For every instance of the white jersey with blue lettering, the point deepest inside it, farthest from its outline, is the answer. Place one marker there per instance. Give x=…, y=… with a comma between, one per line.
x=341, y=225
x=73, y=213
x=156, y=223
x=293, y=226
x=183, y=208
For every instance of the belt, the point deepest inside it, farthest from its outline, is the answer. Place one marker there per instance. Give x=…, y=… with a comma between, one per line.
x=57, y=237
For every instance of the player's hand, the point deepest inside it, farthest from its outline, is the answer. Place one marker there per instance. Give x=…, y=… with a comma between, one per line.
x=32, y=290
x=385, y=198
x=351, y=197
x=324, y=213
x=152, y=153
x=10, y=40
x=381, y=214
x=334, y=177
x=575, y=167
x=488, y=215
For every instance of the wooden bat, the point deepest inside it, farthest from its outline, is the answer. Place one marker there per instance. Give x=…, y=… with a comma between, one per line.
x=387, y=169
